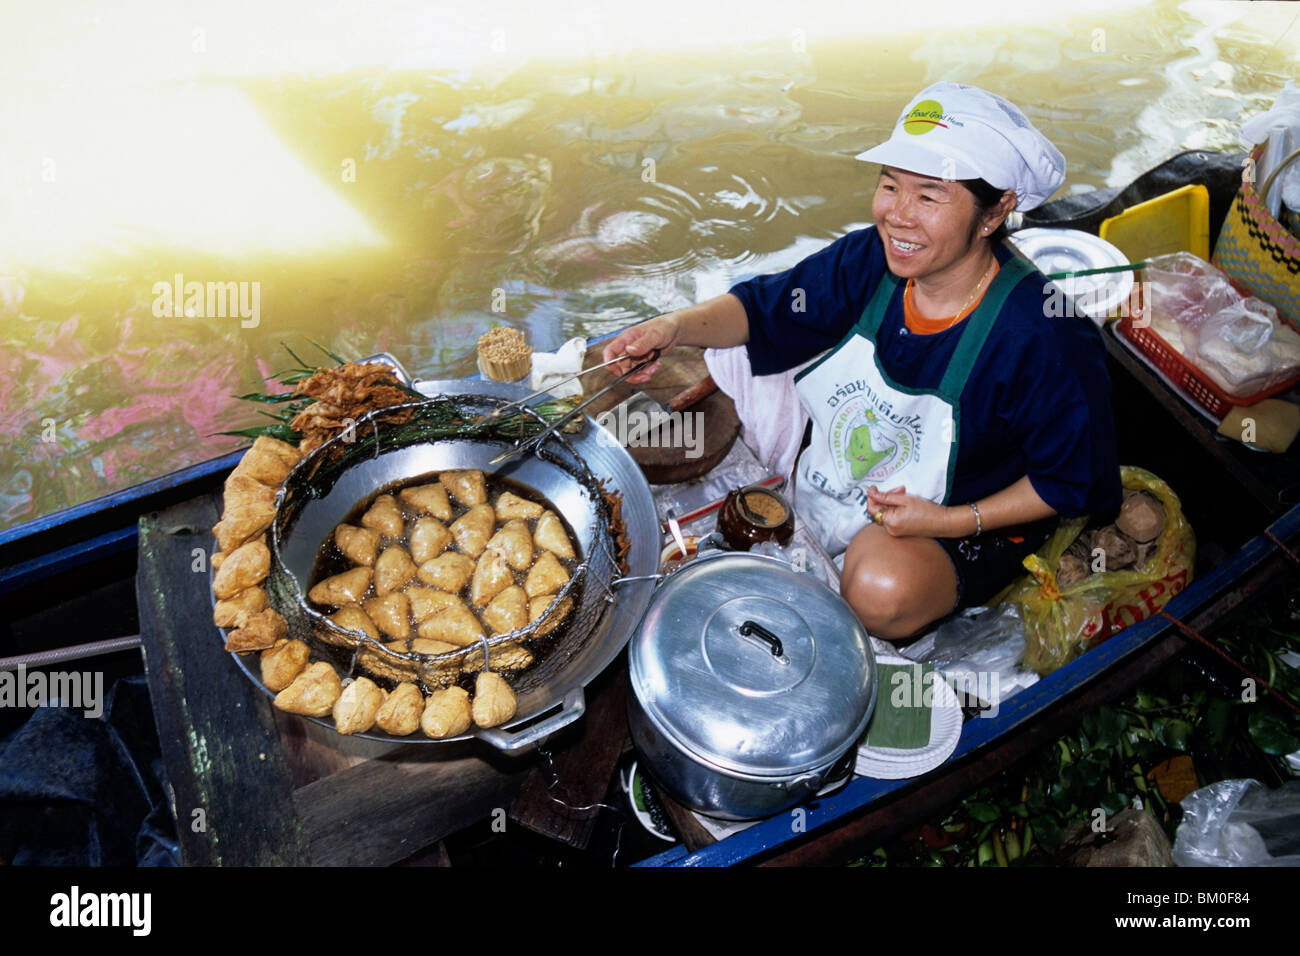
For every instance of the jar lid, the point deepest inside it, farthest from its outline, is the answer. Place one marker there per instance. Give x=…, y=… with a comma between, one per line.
x=752, y=666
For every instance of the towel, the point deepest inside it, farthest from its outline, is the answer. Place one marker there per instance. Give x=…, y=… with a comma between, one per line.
x=767, y=405
x=556, y=366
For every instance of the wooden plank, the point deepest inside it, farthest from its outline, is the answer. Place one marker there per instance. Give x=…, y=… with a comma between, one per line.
x=382, y=811
x=685, y=823
x=219, y=742
x=678, y=370
x=583, y=768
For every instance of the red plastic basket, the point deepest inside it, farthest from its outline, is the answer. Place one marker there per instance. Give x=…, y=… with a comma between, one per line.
x=1198, y=386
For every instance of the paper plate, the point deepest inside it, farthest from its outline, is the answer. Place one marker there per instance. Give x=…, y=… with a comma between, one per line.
x=887, y=763
x=1071, y=250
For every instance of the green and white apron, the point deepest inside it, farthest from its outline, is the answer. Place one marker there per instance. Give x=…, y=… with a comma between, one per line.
x=869, y=430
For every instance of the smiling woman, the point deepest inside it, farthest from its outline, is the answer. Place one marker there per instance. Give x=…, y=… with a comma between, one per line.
x=943, y=377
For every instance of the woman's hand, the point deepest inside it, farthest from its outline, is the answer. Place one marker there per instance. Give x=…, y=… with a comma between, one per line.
x=904, y=515
x=659, y=333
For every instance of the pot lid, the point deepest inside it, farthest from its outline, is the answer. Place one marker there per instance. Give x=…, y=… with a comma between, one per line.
x=752, y=666
x=1071, y=250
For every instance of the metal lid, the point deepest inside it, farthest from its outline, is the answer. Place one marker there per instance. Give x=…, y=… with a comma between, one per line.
x=705, y=669
x=1072, y=250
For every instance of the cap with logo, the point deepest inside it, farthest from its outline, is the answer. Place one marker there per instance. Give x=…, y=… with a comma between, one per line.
x=954, y=131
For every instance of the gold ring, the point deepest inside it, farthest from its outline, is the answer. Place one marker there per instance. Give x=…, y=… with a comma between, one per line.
x=879, y=517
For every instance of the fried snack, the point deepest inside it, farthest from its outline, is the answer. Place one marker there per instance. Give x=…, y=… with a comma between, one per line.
x=385, y=517
x=269, y=461
x=427, y=499
x=401, y=710
x=537, y=610
x=422, y=645
x=248, y=509
x=508, y=611
x=473, y=529
x=217, y=558
x=341, y=589
x=357, y=706
x=448, y=571
x=244, y=567
x=359, y=545
x=426, y=602
x=248, y=601
x=504, y=355
x=467, y=487
x=549, y=535
x=429, y=538
x=446, y=714
x=514, y=543
x=352, y=617
x=546, y=576
x=507, y=657
x=374, y=660
x=312, y=693
x=455, y=625
x=391, y=614
x=283, y=662
x=512, y=506
x=494, y=701
x=492, y=575
x=342, y=396
x=393, y=569
x=257, y=632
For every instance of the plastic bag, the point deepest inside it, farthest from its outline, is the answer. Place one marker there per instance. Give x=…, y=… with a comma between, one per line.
x=1240, y=823
x=979, y=652
x=1062, y=624
x=1238, y=341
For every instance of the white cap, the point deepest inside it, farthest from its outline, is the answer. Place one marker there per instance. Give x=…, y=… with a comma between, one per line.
x=953, y=131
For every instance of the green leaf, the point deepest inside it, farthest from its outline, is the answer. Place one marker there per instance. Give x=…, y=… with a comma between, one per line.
x=1048, y=832
x=1110, y=725
x=1113, y=803
x=328, y=352
x=282, y=432
x=982, y=812
x=1271, y=733
x=1036, y=802
x=1173, y=733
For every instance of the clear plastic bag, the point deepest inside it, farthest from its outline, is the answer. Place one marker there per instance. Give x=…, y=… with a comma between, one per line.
x=1240, y=823
x=979, y=651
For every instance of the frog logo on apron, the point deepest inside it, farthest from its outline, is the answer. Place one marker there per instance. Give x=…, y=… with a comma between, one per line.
x=869, y=430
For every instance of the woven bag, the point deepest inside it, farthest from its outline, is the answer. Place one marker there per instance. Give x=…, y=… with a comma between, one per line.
x=1259, y=252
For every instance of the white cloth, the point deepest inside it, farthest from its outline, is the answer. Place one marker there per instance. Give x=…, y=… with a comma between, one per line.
x=549, y=367
x=767, y=405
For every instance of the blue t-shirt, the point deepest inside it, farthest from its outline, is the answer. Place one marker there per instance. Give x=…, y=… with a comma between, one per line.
x=1038, y=398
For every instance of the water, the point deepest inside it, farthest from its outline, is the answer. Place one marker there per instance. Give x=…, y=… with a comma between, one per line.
x=390, y=178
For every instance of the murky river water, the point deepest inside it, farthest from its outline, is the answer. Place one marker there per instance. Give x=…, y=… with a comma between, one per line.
x=401, y=180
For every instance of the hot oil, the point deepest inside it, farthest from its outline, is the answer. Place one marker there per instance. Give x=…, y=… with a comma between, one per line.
x=330, y=560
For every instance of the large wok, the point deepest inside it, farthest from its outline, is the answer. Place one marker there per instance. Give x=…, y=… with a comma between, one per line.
x=607, y=614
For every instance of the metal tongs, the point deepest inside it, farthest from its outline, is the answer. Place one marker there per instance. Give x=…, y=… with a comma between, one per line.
x=536, y=440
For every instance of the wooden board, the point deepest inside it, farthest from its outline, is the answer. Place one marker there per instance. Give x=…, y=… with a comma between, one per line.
x=711, y=435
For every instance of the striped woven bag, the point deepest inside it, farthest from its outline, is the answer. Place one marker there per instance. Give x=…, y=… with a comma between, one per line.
x=1258, y=251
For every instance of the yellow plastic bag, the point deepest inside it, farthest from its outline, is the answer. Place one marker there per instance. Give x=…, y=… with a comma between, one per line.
x=1062, y=624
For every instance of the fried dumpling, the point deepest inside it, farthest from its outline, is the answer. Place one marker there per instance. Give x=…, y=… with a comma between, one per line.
x=511, y=656
x=248, y=509
x=391, y=614
x=359, y=545
x=549, y=535
x=358, y=706
x=353, y=618
x=538, y=611
x=385, y=517
x=244, y=567
x=426, y=602
x=492, y=575
x=248, y=601
x=341, y=589
x=546, y=576
x=514, y=543
x=494, y=701
x=401, y=710
x=312, y=693
x=448, y=571
x=467, y=487
x=512, y=506
x=283, y=662
x=454, y=625
x=427, y=499
x=393, y=569
x=269, y=461
x=446, y=714
x=473, y=529
x=424, y=645
x=257, y=632
x=508, y=611
x=429, y=538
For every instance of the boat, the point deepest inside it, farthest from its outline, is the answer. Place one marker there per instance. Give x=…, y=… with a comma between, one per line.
x=50, y=565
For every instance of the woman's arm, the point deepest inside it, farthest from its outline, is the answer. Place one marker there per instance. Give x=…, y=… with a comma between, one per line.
x=720, y=323
x=910, y=515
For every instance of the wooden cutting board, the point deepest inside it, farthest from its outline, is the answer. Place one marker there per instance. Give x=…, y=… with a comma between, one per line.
x=701, y=443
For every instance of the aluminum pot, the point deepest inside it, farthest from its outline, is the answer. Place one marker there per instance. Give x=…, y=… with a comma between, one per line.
x=752, y=684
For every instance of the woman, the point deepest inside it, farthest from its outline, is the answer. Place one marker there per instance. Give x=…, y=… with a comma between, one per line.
x=955, y=413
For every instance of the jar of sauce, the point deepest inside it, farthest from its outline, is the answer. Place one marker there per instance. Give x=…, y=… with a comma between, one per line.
x=753, y=514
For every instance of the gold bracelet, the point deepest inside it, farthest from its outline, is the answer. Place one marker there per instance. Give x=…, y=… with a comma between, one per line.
x=979, y=525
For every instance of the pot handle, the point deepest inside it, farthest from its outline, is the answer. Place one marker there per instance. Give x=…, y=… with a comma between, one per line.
x=572, y=707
